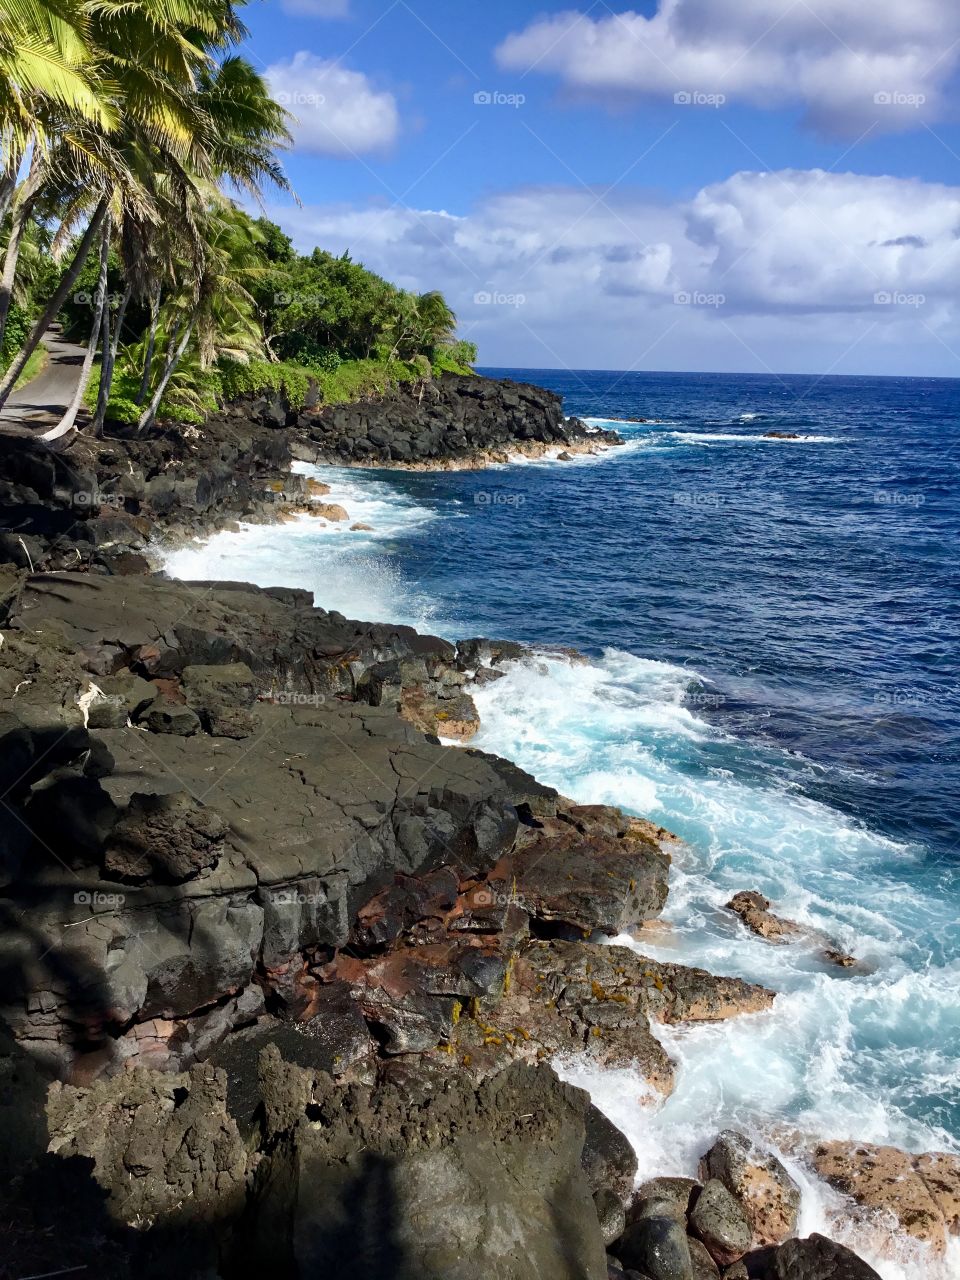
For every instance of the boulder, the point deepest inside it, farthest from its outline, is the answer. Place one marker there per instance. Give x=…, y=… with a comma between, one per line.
x=815, y=1258
x=610, y=1215
x=922, y=1193
x=447, y=1184
x=754, y=910
x=609, y=1161
x=162, y=1147
x=719, y=1222
x=658, y=1248
x=758, y=1181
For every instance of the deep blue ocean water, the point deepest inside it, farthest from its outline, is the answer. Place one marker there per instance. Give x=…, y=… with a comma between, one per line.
x=773, y=629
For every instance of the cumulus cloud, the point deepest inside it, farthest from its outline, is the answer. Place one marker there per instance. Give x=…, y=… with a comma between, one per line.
x=788, y=271
x=337, y=111
x=316, y=8
x=849, y=68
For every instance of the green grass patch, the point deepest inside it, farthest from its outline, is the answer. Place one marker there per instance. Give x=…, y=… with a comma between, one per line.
x=35, y=365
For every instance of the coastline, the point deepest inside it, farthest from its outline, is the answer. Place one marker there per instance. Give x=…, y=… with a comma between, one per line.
x=279, y=504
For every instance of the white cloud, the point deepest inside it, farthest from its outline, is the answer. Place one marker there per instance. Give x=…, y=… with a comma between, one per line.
x=847, y=64
x=316, y=8
x=337, y=111
x=790, y=271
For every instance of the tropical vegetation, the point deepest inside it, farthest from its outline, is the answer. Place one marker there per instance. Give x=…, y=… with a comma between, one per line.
x=128, y=131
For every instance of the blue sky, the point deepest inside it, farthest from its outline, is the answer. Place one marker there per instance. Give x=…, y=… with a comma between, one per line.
x=685, y=184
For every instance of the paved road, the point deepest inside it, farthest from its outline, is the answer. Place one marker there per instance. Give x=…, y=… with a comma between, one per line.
x=42, y=403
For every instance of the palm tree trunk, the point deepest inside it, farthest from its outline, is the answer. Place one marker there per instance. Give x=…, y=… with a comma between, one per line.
x=22, y=209
x=147, y=417
x=8, y=179
x=151, y=344
x=67, y=281
x=122, y=311
x=101, y=323
x=108, y=359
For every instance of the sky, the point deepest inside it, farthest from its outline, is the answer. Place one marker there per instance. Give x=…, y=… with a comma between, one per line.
x=735, y=185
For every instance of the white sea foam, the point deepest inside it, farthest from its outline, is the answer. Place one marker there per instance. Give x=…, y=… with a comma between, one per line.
x=353, y=571
x=730, y=437
x=869, y=1055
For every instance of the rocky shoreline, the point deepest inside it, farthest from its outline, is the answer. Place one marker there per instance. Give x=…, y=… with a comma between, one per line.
x=283, y=974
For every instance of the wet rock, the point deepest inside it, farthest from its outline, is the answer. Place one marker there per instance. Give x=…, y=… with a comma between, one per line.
x=754, y=910
x=610, y=1214
x=704, y=1267
x=815, y=1258
x=677, y=1193
x=658, y=1248
x=329, y=511
x=608, y=1158
x=717, y=1219
x=922, y=1193
x=758, y=1181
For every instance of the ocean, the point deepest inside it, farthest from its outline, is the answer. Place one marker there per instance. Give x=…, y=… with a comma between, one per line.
x=772, y=630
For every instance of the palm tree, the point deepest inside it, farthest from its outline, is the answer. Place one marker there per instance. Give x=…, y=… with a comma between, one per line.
x=150, y=52
x=45, y=61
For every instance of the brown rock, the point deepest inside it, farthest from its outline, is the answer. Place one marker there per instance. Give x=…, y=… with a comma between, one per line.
x=754, y=910
x=329, y=511
x=921, y=1192
x=767, y=1194
x=360, y=527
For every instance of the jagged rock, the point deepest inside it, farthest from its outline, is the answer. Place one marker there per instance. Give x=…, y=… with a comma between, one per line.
x=718, y=1220
x=754, y=910
x=765, y=1191
x=162, y=1146
x=164, y=838
x=589, y=881
x=815, y=1258
x=222, y=697
x=922, y=1193
x=475, y=1180
x=166, y=716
